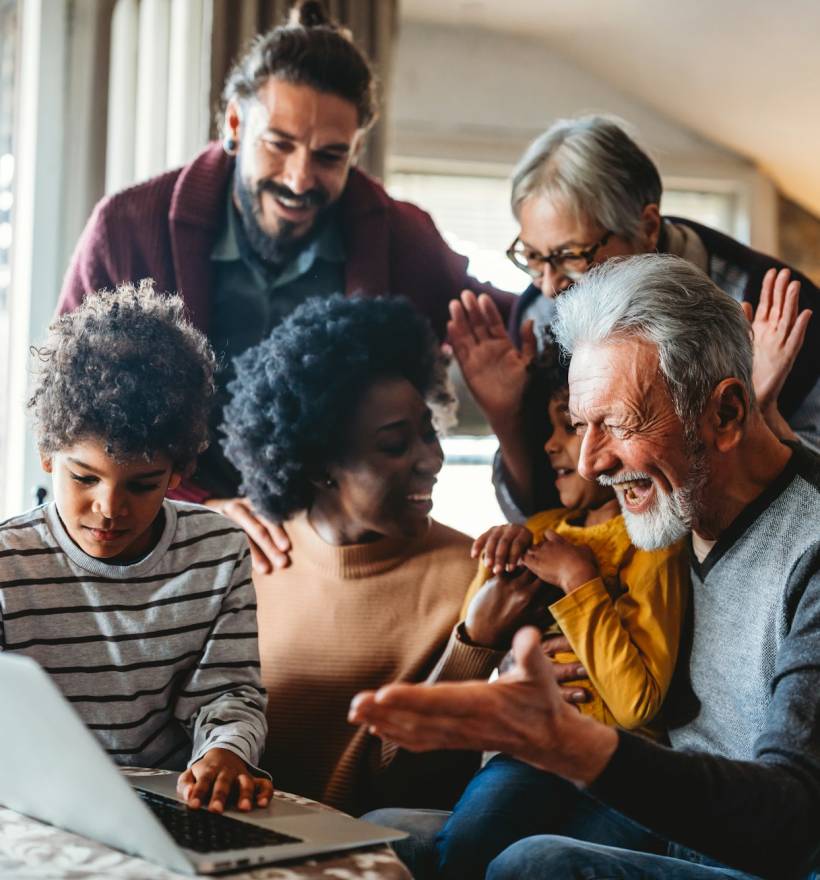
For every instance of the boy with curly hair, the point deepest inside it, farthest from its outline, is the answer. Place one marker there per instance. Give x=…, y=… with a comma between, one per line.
x=140, y=608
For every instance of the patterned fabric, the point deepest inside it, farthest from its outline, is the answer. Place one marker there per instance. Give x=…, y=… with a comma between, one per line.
x=31, y=849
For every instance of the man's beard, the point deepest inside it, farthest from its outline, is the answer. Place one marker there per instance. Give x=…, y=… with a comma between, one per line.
x=280, y=247
x=672, y=515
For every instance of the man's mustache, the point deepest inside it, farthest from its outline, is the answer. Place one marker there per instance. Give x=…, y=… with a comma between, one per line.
x=626, y=477
x=312, y=198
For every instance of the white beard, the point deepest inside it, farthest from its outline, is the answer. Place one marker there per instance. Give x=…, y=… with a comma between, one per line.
x=671, y=516
x=660, y=526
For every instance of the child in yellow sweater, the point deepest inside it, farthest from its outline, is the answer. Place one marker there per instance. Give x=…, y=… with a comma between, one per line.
x=619, y=608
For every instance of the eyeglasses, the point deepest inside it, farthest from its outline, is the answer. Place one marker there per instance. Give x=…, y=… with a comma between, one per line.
x=568, y=261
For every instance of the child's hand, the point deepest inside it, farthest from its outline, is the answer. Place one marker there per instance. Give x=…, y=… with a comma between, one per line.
x=220, y=772
x=558, y=562
x=503, y=547
x=501, y=607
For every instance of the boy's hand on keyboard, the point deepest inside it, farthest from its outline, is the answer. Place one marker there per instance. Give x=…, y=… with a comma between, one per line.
x=502, y=547
x=220, y=775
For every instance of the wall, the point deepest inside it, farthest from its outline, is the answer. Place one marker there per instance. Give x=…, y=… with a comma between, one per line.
x=799, y=238
x=470, y=96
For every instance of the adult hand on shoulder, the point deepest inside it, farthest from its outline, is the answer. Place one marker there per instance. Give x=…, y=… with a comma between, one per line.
x=494, y=369
x=779, y=332
x=222, y=774
x=503, y=604
x=521, y=713
x=269, y=542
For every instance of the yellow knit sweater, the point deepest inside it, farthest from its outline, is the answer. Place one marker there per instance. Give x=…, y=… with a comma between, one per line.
x=624, y=626
x=342, y=619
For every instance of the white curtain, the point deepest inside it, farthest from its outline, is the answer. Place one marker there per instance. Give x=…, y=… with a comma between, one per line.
x=158, y=87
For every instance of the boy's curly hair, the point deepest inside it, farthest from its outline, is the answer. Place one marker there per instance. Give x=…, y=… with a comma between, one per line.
x=295, y=392
x=126, y=368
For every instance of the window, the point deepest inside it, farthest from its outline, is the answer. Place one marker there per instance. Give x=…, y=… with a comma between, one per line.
x=713, y=208
x=8, y=61
x=473, y=214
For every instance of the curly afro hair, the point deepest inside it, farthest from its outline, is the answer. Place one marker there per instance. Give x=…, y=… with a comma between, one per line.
x=126, y=368
x=294, y=393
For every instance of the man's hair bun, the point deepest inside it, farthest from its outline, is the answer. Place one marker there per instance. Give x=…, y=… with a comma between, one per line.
x=309, y=14
x=310, y=49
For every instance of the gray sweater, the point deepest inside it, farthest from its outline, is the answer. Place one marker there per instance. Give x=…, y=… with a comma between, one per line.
x=743, y=784
x=159, y=658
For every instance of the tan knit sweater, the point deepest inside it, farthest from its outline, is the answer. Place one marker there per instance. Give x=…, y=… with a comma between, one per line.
x=342, y=619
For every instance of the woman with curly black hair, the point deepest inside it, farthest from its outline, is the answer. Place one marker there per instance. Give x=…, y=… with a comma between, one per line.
x=332, y=426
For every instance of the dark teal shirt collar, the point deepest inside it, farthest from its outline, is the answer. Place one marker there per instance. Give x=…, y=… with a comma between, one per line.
x=327, y=245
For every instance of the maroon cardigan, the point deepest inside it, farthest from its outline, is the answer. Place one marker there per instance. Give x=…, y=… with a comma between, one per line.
x=166, y=228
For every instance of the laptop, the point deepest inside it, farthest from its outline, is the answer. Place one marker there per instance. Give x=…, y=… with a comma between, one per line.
x=54, y=770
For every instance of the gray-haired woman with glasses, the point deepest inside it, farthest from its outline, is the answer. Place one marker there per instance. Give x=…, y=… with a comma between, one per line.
x=584, y=192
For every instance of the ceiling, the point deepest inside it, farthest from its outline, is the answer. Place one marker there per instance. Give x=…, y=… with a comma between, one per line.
x=742, y=73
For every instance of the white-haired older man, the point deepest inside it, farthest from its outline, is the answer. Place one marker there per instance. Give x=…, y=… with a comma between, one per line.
x=660, y=390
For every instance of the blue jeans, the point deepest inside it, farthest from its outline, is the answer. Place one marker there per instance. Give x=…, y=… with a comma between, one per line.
x=516, y=823
x=508, y=800
x=551, y=857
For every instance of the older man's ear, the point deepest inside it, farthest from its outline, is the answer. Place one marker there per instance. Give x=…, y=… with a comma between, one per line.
x=727, y=414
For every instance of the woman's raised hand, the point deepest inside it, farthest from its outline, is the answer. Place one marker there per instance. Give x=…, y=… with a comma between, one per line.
x=494, y=369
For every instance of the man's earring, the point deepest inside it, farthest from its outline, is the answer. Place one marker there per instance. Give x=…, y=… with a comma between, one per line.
x=230, y=144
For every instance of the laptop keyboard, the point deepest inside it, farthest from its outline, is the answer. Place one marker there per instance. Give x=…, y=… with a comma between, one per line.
x=205, y=832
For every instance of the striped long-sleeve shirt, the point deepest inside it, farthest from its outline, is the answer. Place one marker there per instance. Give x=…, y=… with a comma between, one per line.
x=159, y=658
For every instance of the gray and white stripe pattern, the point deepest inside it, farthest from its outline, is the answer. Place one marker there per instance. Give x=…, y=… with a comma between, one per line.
x=159, y=658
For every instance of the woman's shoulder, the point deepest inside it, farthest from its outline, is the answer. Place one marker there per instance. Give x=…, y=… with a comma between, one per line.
x=446, y=556
x=441, y=537
x=446, y=548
